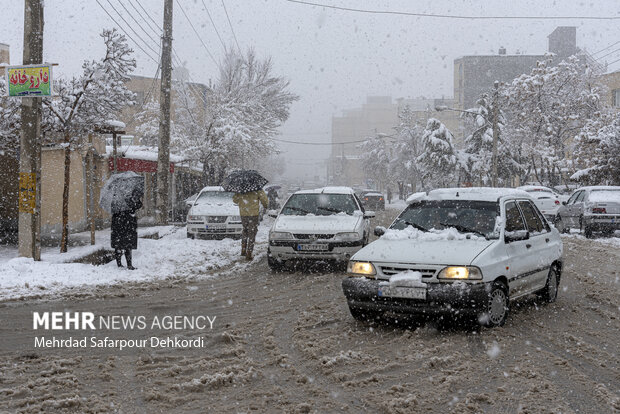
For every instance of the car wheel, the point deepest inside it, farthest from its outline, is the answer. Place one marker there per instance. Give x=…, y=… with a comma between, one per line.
x=496, y=309
x=550, y=292
x=190, y=236
x=364, y=315
x=585, y=229
x=275, y=264
x=559, y=224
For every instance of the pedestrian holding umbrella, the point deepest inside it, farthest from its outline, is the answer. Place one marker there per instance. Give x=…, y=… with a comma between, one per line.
x=248, y=188
x=121, y=196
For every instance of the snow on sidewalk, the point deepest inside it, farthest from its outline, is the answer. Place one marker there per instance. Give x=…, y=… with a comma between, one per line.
x=173, y=255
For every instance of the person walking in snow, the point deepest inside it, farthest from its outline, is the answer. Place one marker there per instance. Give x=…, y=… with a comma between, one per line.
x=125, y=231
x=249, y=209
x=389, y=195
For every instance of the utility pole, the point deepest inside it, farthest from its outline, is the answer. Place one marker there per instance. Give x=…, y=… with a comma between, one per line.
x=30, y=140
x=495, y=131
x=163, y=153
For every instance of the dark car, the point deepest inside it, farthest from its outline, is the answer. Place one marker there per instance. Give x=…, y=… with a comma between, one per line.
x=372, y=199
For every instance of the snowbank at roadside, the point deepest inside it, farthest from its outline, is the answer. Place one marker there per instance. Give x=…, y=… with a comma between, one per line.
x=173, y=255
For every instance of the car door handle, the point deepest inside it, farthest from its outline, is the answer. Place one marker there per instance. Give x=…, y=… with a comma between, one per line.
x=547, y=240
x=528, y=245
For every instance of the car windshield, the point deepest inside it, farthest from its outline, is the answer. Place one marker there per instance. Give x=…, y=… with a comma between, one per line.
x=319, y=204
x=466, y=216
x=214, y=197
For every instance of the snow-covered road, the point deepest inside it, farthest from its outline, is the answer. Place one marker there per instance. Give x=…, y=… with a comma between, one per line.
x=285, y=342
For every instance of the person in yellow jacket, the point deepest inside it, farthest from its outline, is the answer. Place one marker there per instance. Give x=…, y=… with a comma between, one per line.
x=249, y=208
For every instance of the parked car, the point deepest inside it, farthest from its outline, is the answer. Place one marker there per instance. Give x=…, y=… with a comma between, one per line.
x=372, y=199
x=327, y=223
x=462, y=251
x=590, y=209
x=213, y=214
x=547, y=199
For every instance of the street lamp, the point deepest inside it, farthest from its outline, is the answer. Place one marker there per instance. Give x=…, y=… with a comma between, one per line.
x=440, y=108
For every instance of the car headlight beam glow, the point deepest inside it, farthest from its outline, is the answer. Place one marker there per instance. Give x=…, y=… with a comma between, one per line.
x=460, y=273
x=361, y=269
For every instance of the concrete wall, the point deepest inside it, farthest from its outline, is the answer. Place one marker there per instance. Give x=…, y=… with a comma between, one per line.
x=5, y=54
x=612, y=82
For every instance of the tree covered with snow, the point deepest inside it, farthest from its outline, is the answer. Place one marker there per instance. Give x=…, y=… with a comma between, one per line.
x=408, y=147
x=438, y=160
x=548, y=107
x=477, y=156
x=86, y=101
x=377, y=156
x=243, y=110
x=597, y=151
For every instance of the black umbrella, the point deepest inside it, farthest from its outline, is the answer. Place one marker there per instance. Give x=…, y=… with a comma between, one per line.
x=244, y=181
x=120, y=192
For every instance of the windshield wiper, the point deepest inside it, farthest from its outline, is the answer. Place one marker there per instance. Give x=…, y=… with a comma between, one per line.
x=299, y=209
x=333, y=210
x=415, y=225
x=464, y=229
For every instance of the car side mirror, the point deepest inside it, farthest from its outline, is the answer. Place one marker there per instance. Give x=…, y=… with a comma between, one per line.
x=379, y=231
x=563, y=203
x=369, y=214
x=513, y=236
x=272, y=213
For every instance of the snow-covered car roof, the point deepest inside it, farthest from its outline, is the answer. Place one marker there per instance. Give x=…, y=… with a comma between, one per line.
x=328, y=190
x=599, y=187
x=536, y=188
x=373, y=193
x=469, y=193
x=212, y=188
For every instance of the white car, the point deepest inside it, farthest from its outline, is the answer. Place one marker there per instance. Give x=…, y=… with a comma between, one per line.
x=547, y=200
x=327, y=224
x=590, y=209
x=461, y=251
x=213, y=214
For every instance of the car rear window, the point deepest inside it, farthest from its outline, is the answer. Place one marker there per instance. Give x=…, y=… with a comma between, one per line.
x=602, y=196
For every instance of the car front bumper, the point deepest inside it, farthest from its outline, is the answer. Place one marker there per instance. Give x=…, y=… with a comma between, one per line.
x=441, y=298
x=213, y=230
x=288, y=250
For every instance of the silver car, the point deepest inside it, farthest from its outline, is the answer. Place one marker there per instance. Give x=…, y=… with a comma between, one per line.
x=590, y=209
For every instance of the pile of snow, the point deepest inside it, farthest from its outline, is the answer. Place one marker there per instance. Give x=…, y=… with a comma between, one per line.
x=410, y=233
x=171, y=256
x=407, y=278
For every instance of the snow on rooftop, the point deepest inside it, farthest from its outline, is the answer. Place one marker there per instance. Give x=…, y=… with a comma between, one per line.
x=115, y=123
x=468, y=193
x=213, y=188
x=328, y=190
x=140, y=152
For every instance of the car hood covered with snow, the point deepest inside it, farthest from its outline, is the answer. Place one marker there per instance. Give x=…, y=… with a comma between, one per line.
x=312, y=224
x=215, y=209
x=445, y=247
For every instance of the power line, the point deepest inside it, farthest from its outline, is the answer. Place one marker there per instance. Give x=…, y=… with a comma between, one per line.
x=452, y=16
x=140, y=25
x=127, y=34
x=157, y=31
x=607, y=54
x=604, y=49
x=129, y=25
x=324, y=143
x=149, y=16
x=231, y=28
x=198, y=35
x=213, y=24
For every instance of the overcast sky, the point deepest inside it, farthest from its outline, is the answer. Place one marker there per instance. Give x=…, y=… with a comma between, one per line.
x=333, y=58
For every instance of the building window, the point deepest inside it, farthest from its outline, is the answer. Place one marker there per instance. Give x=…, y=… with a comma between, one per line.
x=615, y=98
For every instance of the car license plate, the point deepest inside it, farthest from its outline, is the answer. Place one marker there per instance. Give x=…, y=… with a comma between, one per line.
x=211, y=227
x=402, y=292
x=312, y=247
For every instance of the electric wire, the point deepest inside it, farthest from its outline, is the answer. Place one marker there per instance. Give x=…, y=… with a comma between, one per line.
x=213, y=24
x=197, y=34
x=231, y=29
x=452, y=16
x=130, y=27
x=605, y=48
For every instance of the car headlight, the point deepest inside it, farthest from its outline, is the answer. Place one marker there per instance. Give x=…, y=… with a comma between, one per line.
x=280, y=235
x=460, y=273
x=195, y=218
x=234, y=218
x=348, y=236
x=361, y=269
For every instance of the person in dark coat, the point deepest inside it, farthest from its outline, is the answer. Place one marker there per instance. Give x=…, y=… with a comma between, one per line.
x=125, y=231
x=272, y=196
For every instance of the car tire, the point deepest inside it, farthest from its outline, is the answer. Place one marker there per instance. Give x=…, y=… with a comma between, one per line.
x=190, y=236
x=550, y=292
x=275, y=264
x=585, y=229
x=364, y=315
x=559, y=224
x=496, y=307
